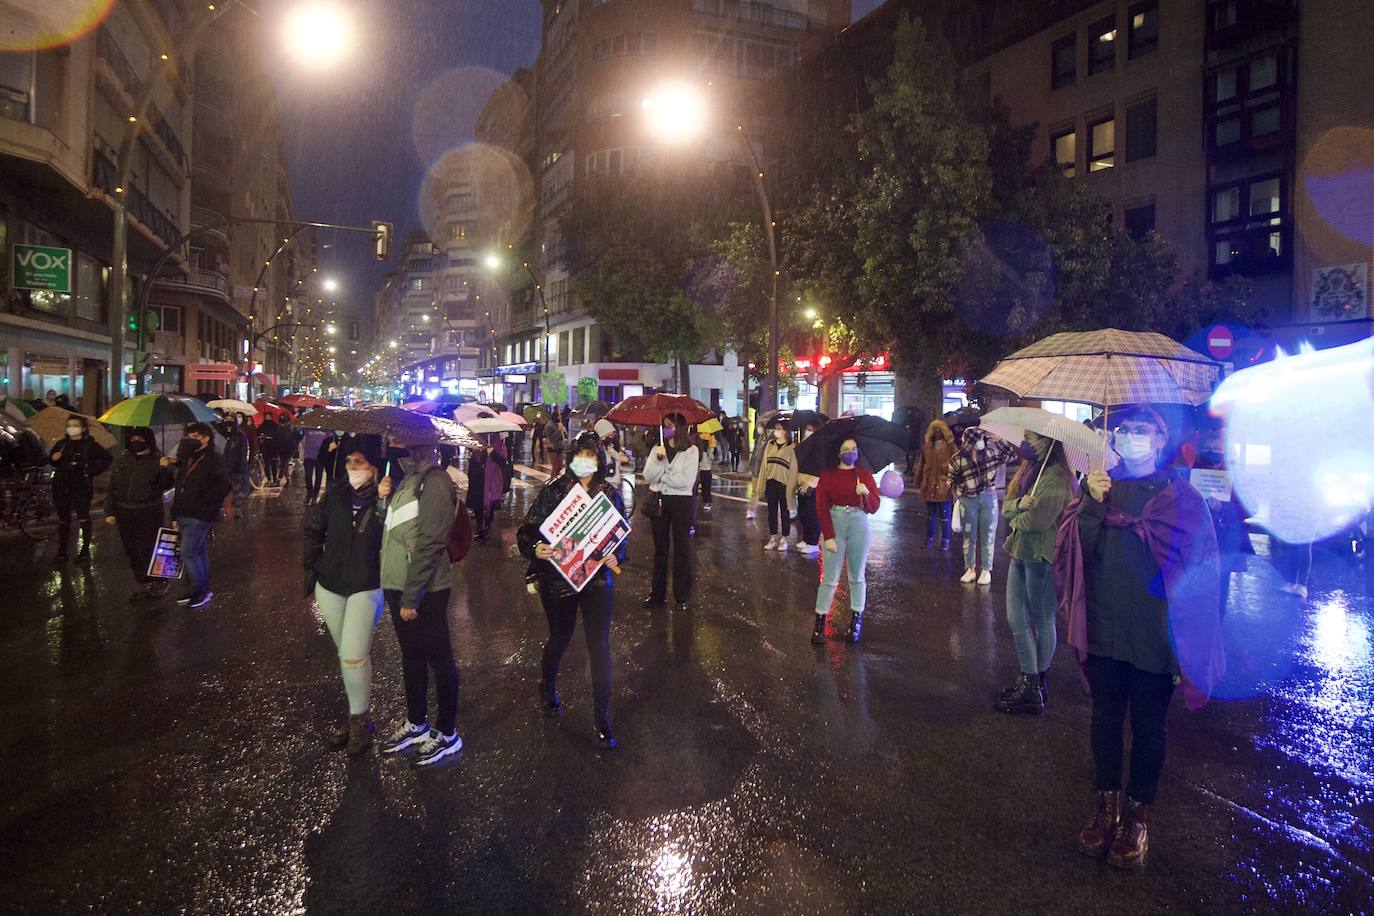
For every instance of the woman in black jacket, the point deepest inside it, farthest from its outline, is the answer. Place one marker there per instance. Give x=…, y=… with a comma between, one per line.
x=562, y=601
x=134, y=503
x=343, y=544
x=77, y=461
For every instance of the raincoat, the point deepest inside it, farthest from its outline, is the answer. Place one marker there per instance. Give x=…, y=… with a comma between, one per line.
x=932, y=477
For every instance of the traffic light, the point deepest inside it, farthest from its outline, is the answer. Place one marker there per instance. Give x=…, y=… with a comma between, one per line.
x=381, y=239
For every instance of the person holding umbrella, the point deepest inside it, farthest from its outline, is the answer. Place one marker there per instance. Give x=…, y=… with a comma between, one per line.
x=134, y=504
x=77, y=460
x=973, y=482
x=671, y=472
x=932, y=479
x=201, y=486
x=846, y=495
x=486, y=483
x=776, y=485
x=586, y=469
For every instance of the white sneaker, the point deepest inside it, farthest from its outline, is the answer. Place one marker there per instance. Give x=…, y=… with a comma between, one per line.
x=985, y=577
x=406, y=736
x=783, y=544
x=969, y=575
x=809, y=550
x=436, y=747
x=772, y=543
x=1299, y=590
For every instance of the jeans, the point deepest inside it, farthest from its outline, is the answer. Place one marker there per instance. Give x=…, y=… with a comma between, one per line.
x=426, y=647
x=775, y=492
x=808, y=519
x=138, y=533
x=671, y=527
x=937, y=523
x=561, y=611
x=351, y=620
x=314, y=476
x=852, y=537
x=1030, y=613
x=243, y=485
x=1116, y=687
x=980, y=527
x=195, y=552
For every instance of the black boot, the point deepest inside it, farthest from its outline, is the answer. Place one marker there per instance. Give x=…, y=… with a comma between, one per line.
x=1025, y=697
x=604, y=737
x=818, y=632
x=64, y=535
x=1044, y=688
x=548, y=694
x=856, y=626
x=85, y=552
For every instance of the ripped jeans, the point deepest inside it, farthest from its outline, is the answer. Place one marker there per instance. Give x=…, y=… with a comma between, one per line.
x=352, y=620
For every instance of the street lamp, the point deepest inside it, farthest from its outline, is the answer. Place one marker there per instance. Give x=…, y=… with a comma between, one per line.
x=677, y=114
x=493, y=262
x=330, y=284
x=318, y=34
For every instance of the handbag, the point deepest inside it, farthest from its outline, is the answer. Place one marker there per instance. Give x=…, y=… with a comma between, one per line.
x=653, y=506
x=956, y=522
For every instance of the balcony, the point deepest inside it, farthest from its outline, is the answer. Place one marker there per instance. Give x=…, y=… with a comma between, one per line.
x=200, y=282
x=764, y=14
x=214, y=175
x=213, y=105
x=204, y=216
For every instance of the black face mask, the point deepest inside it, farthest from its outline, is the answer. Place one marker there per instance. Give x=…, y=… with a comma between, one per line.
x=188, y=447
x=138, y=446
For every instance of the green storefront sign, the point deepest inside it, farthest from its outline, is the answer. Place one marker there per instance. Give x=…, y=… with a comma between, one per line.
x=40, y=267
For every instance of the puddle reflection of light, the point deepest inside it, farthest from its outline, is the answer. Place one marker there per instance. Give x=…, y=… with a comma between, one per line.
x=672, y=876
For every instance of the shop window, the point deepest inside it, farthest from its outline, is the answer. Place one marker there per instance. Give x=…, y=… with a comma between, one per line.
x=1065, y=147
x=1144, y=29
x=1064, y=61
x=1102, y=46
x=1141, y=129
x=1140, y=220
x=1102, y=144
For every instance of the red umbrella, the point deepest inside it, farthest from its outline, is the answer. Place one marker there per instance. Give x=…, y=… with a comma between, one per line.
x=420, y=406
x=651, y=409
x=267, y=409
x=303, y=401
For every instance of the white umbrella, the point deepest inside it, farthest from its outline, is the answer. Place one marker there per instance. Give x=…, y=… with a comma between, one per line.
x=1083, y=447
x=513, y=418
x=484, y=425
x=232, y=405
x=467, y=412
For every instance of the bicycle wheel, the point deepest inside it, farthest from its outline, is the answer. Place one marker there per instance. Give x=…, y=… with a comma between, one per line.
x=257, y=475
x=28, y=513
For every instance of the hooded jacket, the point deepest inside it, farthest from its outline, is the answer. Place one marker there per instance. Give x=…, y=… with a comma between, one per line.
x=418, y=518
x=82, y=461
x=971, y=471
x=343, y=546
x=932, y=477
x=137, y=482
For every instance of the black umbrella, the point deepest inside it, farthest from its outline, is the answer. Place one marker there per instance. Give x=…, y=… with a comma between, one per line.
x=880, y=444
x=793, y=419
x=591, y=409
x=386, y=420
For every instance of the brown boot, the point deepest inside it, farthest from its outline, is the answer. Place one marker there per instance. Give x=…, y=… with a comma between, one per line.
x=359, y=734
x=1094, y=839
x=1132, y=840
x=338, y=738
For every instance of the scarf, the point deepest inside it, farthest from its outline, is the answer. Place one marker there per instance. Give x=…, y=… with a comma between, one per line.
x=1177, y=530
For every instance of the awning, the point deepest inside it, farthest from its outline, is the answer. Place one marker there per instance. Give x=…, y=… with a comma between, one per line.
x=262, y=378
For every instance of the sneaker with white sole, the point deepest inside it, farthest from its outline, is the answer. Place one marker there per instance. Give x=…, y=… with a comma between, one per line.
x=436, y=747
x=808, y=550
x=985, y=577
x=202, y=600
x=783, y=545
x=969, y=575
x=405, y=737
x=771, y=543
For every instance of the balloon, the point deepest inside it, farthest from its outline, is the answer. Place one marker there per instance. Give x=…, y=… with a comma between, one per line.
x=891, y=485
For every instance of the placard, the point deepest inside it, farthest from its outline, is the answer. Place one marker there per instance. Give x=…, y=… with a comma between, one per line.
x=1211, y=484
x=165, y=562
x=583, y=532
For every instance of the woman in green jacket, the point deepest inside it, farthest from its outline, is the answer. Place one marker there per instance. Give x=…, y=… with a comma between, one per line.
x=1036, y=497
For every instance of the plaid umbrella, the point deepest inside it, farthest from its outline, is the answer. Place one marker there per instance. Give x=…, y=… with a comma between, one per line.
x=651, y=409
x=1108, y=368
x=388, y=420
x=51, y=425
x=1083, y=446
x=159, y=410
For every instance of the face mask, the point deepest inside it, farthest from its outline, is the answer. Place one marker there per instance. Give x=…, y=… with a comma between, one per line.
x=75, y=432
x=582, y=466
x=1027, y=452
x=780, y=435
x=188, y=447
x=359, y=478
x=806, y=434
x=981, y=446
x=668, y=433
x=1212, y=457
x=850, y=457
x=138, y=446
x=1135, y=449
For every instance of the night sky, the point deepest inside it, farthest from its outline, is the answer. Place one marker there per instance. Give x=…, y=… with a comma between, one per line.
x=359, y=138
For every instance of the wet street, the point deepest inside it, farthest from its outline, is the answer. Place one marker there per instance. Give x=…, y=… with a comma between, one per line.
x=157, y=760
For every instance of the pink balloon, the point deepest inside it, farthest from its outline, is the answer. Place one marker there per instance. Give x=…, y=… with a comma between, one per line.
x=892, y=485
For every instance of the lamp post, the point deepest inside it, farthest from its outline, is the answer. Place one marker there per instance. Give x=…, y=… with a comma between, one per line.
x=494, y=262
x=677, y=114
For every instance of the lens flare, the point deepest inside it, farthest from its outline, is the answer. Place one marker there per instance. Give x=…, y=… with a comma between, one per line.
x=473, y=190
x=318, y=34
x=29, y=26
x=449, y=107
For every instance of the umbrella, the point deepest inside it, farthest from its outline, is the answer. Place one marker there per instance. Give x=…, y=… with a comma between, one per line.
x=484, y=425
x=533, y=413
x=1083, y=447
x=232, y=405
x=467, y=412
x=493, y=406
x=881, y=442
x=1108, y=368
x=710, y=426
x=514, y=418
x=19, y=409
x=159, y=410
x=650, y=409
x=421, y=406
x=792, y=419
x=303, y=401
x=591, y=409
x=964, y=416
x=267, y=410
x=389, y=420
x=51, y=425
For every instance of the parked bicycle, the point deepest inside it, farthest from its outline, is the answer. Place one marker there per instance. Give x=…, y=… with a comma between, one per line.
x=28, y=502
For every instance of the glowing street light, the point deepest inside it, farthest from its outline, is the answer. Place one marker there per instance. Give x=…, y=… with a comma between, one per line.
x=331, y=329
x=492, y=261
x=330, y=284
x=676, y=112
x=318, y=34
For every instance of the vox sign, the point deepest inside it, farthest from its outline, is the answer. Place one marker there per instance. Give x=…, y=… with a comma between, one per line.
x=39, y=267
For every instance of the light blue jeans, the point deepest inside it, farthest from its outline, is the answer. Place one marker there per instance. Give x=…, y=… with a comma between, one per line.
x=852, y=537
x=195, y=553
x=980, y=527
x=1030, y=613
x=351, y=620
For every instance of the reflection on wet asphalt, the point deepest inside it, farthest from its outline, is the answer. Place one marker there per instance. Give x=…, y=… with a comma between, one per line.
x=156, y=759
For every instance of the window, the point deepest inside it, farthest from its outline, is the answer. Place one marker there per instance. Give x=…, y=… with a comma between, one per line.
x=89, y=288
x=1249, y=225
x=1065, y=149
x=562, y=348
x=1102, y=46
x=1102, y=144
x=417, y=282
x=458, y=230
x=1063, y=61
x=1141, y=129
x=1144, y=29
x=1140, y=220
x=1246, y=102
x=1223, y=14
x=16, y=81
x=579, y=346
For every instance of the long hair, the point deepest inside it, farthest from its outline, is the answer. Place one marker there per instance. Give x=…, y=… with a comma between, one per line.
x=681, y=440
x=1029, y=471
x=587, y=441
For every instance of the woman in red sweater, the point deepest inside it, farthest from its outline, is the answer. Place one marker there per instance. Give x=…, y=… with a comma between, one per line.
x=845, y=497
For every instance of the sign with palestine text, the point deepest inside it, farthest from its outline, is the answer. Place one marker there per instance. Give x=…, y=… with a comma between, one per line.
x=583, y=532
x=41, y=267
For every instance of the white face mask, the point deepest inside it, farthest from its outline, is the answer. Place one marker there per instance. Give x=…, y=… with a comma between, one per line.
x=583, y=466
x=359, y=478
x=75, y=431
x=780, y=435
x=1135, y=449
x=981, y=445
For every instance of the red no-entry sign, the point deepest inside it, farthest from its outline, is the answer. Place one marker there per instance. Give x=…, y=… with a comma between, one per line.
x=1221, y=342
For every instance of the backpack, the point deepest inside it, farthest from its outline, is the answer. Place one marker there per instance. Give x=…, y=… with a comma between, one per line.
x=460, y=534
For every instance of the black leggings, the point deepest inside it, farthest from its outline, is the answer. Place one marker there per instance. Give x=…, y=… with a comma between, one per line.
x=1118, y=687
x=775, y=492
x=72, y=498
x=704, y=478
x=807, y=517
x=138, y=532
x=425, y=647
x=561, y=611
x=671, y=531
